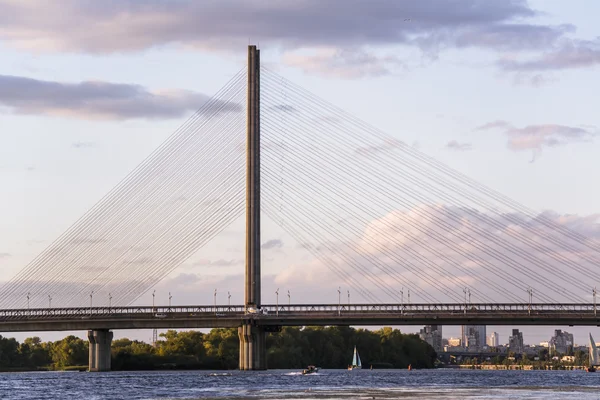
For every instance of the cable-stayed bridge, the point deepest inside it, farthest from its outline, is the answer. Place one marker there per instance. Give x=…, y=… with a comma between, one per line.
x=381, y=216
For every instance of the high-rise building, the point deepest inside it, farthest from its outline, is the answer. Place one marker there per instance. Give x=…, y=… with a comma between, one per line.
x=493, y=340
x=473, y=337
x=561, y=343
x=432, y=334
x=515, y=342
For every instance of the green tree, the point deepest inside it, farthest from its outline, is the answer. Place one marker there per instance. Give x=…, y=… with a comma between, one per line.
x=70, y=351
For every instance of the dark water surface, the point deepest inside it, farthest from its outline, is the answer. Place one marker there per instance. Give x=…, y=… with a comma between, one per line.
x=280, y=384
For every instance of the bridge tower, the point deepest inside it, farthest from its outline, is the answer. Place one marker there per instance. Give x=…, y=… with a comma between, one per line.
x=253, y=350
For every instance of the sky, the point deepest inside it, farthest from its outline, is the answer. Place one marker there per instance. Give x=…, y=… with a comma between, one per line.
x=503, y=91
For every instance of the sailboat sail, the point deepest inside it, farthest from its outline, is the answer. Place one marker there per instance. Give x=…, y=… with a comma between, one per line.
x=355, y=360
x=594, y=358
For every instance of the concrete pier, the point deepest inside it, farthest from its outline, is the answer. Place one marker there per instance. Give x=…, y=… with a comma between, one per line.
x=100, y=341
x=253, y=348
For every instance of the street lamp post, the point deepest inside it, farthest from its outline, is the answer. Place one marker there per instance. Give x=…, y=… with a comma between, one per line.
x=153, y=295
x=409, y=296
x=530, y=292
x=277, y=302
x=229, y=299
x=339, y=301
x=348, y=297
x=465, y=292
x=91, y=300
x=402, y=300
x=289, y=299
x=28, y=300
x=109, y=300
x=49, y=301
x=170, y=297
x=215, y=299
x=594, y=293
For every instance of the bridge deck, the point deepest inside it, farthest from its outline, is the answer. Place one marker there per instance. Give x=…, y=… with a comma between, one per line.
x=188, y=317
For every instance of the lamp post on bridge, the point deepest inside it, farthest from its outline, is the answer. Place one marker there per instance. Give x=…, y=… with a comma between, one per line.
x=594, y=293
x=91, y=300
x=402, y=300
x=109, y=301
x=153, y=295
x=409, y=296
x=277, y=302
x=530, y=292
x=348, y=297
x=289, y=299
x=49, y=301
x=215, y=299
x=339, y=301
x=28, y=300
x=170, y=297
x=228, y=299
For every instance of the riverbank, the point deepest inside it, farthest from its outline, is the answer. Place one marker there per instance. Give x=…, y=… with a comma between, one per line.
x=502, y=367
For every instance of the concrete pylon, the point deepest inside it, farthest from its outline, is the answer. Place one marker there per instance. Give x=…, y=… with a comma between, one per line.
x=100, y=341
x=253, y=347
x=253, y=350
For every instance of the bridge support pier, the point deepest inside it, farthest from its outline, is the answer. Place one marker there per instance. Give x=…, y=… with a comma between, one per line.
x=253, y=348
x=100, y=341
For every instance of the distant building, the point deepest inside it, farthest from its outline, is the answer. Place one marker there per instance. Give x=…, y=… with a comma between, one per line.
x=493, y=340
x=473, y=337
x=545, y=344
x=515, y=342
x=454, y=342
x=561, y=343
x=432, y=334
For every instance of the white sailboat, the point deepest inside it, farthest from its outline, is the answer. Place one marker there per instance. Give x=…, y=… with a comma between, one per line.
x=594, y=357
x=356, y=364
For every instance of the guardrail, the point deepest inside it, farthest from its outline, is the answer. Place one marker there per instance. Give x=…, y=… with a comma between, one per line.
x=289, y=310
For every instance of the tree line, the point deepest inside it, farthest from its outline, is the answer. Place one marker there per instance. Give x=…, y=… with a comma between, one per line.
x=326, y=347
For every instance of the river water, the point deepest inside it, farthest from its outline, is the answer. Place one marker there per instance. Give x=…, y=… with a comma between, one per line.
x=280, y=384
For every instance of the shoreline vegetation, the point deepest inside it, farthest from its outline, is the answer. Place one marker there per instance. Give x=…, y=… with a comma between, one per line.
x=292, y=348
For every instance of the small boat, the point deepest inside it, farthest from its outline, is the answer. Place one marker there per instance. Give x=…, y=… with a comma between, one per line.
x=311, y=369
x=594, y=358
x=356, y=364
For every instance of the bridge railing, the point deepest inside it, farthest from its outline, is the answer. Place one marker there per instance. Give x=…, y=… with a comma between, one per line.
x=294, y=309
x=158, y=311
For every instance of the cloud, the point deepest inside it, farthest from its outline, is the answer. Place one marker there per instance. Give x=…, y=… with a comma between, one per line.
x=283, y=108
x=100, y=100
x=570, y=54
x=335, y=34
x=138, y=25
x=219, y=263
x=5, y=255
x=387, y=145
x=454, y=145
x=345, y=63
x=456, y=246
x=83, y=145
x=272, y=244
x=536, y=137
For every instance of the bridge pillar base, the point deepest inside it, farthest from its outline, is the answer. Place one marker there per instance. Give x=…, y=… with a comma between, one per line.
x=100, y=341
x=253, y=348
